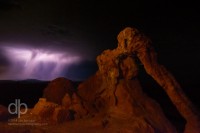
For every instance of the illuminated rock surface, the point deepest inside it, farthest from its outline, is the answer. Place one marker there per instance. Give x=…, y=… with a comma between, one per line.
x=116, y=90
x=51, y=111
x=131, y=41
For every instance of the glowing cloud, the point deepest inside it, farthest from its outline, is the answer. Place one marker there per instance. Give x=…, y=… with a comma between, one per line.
x=37, y=63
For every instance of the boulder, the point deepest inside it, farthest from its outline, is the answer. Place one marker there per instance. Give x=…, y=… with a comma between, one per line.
x=51, y=111
x=44, y=109
x=56, y=90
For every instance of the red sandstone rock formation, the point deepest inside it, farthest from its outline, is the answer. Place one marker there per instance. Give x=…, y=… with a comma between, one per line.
x=75, y=104
x=131, y=41
x=60, y=102
x=115, y=89
x=52, y=111
x=124, y=100
x=57, y=89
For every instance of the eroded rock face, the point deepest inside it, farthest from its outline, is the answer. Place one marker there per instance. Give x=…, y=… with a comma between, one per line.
x=116, y=91
x=52, y=111
x=57, y=89
x=132, y=41
x=44, y=109
x=75, y=104
x=60, y=102
x=62, y=114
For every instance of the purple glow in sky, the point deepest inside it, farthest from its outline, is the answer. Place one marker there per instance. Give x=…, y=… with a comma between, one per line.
x=35, y=63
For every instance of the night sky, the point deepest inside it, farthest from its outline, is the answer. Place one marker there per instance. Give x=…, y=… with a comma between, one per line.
x=45, y=39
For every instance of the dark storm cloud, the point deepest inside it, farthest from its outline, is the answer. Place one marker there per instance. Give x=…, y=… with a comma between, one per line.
x=43, y=24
